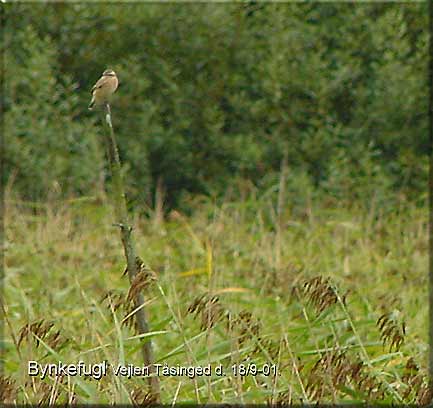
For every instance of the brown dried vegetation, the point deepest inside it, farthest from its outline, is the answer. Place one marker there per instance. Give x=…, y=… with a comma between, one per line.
x=246, y=327
x=334, y=370
x=145, y=276
x=319, y=292
x=41, y=329
x=8, y=390
x=142, y=398
x=392, y=330
x=418, y=390
x=209, y=309
x=117, y=300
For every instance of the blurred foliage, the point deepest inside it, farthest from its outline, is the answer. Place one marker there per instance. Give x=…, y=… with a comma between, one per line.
x=210, y=93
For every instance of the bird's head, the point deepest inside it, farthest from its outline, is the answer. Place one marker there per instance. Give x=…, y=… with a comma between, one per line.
x=108, y=72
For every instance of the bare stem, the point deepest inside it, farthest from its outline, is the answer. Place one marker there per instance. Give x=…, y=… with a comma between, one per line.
x=121, y=213
x=281, y=202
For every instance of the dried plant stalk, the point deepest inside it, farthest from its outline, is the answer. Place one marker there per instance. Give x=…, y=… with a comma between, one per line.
x=129, y=246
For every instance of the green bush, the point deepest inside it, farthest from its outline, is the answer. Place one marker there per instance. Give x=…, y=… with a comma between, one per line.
x=47, y=149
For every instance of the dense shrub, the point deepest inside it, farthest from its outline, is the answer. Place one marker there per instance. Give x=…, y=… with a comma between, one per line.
x=213, y=92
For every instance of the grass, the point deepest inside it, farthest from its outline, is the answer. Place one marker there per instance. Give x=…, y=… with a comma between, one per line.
x=336, y=299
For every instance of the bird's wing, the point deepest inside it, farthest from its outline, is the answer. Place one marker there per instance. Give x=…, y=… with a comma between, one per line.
x=99, y=84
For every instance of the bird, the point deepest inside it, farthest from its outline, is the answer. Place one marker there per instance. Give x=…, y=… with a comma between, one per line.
x=104, y=88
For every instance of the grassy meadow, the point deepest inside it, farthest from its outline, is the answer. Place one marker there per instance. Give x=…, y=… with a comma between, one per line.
x=331, y=302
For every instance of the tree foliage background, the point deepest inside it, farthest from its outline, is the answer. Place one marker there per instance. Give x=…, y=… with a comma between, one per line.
x=213, y=94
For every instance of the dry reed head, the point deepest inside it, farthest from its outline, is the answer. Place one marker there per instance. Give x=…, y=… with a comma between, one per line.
x=8, y=390
x=114, y=299
x=140, y=265
x=42, y=391
x=41, y=329
x=392, y=329
x=335, y=370
x=142, y=398
x=272, y=348
x=246, y=326
x=144, y=277
x=418, y=390
x=55, y=340
x=210, y=310
x=318, y=291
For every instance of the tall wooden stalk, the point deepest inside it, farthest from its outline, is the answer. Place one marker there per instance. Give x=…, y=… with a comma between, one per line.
x=121, y=214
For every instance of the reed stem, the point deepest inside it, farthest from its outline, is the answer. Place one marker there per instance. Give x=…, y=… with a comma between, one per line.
x=121, y=213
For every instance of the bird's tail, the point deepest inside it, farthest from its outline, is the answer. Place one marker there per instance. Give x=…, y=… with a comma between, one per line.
x=92, y=103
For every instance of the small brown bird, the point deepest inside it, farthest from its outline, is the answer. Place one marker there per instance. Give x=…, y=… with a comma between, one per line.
x=104, y=88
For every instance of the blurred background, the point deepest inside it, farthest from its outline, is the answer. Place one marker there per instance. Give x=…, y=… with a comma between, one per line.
x=214, y=97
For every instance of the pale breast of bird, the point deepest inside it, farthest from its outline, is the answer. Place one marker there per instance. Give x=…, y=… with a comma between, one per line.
x=110, y=85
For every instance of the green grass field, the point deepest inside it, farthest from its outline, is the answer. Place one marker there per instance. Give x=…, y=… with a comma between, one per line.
x=334, y=300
